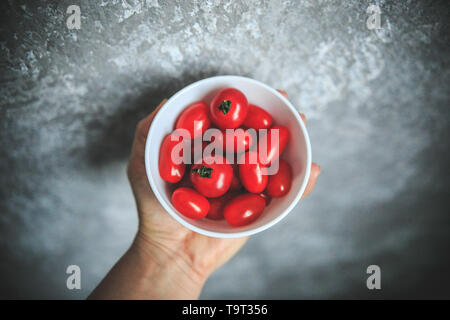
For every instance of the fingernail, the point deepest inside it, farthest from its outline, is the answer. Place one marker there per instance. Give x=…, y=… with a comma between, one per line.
x=317, y=172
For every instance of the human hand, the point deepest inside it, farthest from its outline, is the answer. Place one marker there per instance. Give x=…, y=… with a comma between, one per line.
x=181, y=260
x=196, y=255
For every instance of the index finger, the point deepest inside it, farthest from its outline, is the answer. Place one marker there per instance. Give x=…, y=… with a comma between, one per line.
x=140, y=137
x=144, y=125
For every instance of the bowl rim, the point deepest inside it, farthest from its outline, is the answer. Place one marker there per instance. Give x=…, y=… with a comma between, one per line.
x=238, y=234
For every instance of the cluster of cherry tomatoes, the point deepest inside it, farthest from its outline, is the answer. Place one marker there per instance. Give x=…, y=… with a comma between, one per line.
x=214, y=188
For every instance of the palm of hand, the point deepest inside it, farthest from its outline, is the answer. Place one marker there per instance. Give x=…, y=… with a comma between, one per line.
x=204, y=254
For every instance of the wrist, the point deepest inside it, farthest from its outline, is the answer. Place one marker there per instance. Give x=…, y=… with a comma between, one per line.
x=169, y=274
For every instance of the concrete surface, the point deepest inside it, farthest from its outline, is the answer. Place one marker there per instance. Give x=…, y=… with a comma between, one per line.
x=377, y=103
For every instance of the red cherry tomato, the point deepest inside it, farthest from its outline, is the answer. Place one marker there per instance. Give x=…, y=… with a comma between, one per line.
x=217, y=140
x=168, y=169
x=244, y=209
x=190, y=203
x=216, y=206
x=197, y=111
x=241, y=141
x=252, y=172
x=235, y=182
x=279, y=184
x=212, y=177
x=210, y=151
x=258, y=118
x=197, y=157
x=228, y=109
x=266, y=197
x=185, y=182
x=273, y=150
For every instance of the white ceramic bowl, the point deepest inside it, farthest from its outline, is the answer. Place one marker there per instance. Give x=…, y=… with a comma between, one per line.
x=297, y=152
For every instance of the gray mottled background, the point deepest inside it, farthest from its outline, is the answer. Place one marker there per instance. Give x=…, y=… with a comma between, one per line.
x=377, y=103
